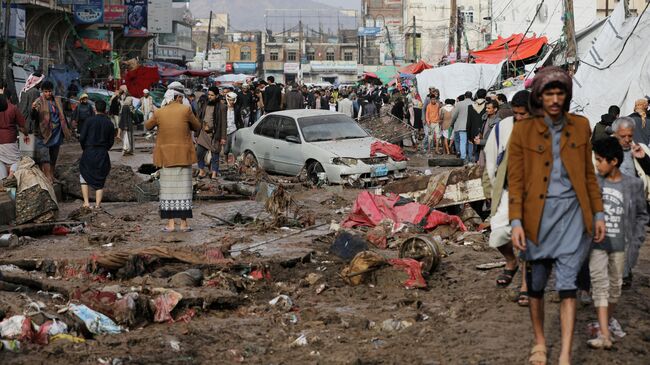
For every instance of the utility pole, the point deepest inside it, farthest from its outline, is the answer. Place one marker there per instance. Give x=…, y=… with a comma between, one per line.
x=606, y=8
x=300, y=38
x=452, y=25
x=390, y=45
x=5, y=50
x=459, y=33
x=415, y=51
x=208, y=43
x=570, y=32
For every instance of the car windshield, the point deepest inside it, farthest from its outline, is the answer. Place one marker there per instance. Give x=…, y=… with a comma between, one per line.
x=329, y=128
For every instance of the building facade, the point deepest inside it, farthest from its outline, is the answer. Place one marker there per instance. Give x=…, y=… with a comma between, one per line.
x=606, y=7
x=177, y=46
x=313, y=59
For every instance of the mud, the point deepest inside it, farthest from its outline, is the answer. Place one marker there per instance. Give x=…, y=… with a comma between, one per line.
x=460, y=318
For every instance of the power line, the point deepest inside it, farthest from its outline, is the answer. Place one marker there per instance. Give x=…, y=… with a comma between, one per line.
x=539, y=7
x=624, y=44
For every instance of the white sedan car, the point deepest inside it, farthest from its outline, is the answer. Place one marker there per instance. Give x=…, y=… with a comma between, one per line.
x=331, y=146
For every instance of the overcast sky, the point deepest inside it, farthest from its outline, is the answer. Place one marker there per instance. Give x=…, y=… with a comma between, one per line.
x=347, y=4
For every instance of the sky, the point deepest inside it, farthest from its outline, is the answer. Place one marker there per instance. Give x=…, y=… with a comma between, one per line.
x=347, y=4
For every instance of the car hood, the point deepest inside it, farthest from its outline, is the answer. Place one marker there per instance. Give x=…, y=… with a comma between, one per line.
x=353, y=148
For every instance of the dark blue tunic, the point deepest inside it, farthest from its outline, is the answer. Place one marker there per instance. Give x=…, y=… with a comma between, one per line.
x=97, y=136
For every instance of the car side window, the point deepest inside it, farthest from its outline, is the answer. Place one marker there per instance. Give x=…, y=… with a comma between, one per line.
x=288, y=128
x=267, y=127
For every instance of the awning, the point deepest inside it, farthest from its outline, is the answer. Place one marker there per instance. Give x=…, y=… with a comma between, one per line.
x=415, y=68
x=95, y=45
x=244, y=67
x=387, y=73
x=504, y=48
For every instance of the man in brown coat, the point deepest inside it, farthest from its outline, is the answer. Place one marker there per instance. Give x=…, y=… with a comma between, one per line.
x=554, y=200
x=213, y=133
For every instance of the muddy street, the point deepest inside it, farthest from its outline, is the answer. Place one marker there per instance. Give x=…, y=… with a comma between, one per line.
x=247, y=288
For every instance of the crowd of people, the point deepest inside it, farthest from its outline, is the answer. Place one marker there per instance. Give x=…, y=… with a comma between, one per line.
x=561, y=196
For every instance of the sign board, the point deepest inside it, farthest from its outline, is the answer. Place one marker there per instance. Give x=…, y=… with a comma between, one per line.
x=17, y=22
x=90, y=13
x=114, y=14
x=333, y=66
x=160, y=16
x=23, y=59
x=291, y=68
x=101, y=34
x=136, y=18
x=72, y=2
x=368, y=31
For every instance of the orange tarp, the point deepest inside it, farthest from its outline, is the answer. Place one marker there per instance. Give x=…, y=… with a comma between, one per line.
x=415, y=68
x=95, y=45
x=503, y=48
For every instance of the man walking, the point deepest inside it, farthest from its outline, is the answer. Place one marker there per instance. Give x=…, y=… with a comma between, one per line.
x=294, y=98
x=97, y=136
x=345, y=106
x=554, y=201
x=496, y=169
x=146, y=105
x=84, y=111
x=475, y=123
x=459, y=122
x=272, y=96
x=233, y=123
x=213, y=133
x=52, y=128
x=28, y=96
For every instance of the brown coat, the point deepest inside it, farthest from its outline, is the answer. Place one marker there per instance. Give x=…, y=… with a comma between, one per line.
x=529, y=170
x=211, y=139
x=174, y=146
x=42, y=115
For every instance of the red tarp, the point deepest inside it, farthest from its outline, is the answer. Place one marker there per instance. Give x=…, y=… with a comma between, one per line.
x=370, y=75
x=370, y=210
x=170, y=72
x=503, y=48
x=141, y=78
x=95, y=45
x=415, y=68
x=394, y=151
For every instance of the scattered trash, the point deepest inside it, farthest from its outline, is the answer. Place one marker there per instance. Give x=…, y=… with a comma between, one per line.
x=378, y=236
x=347, y=245
x=425, y=249
x=414, y=269
x=164, y=304
x=188, y=278
x=394, y=325
x=95, y=322
x=491, y=265
x=10, y=345
x=321, y=288
x=282, y=302
x=313, y=278
x=16, y=327
x=300, y=341
x=361, y=266
x=67, y=337
x=175, y=345
x=8, y=240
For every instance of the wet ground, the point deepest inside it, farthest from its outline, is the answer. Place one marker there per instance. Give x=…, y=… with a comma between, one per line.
x=461, y=318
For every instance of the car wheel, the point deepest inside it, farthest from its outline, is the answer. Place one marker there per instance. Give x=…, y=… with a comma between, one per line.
x=250, y=162
x=313, y=169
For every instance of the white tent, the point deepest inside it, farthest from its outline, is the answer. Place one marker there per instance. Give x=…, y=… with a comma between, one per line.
x=455, y=79
x=615, y=70
x=233, y=78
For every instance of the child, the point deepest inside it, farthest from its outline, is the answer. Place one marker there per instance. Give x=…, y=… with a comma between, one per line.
x=625, y=218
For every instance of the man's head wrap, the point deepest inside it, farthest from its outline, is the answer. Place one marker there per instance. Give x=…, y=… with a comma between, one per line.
x=553, y=77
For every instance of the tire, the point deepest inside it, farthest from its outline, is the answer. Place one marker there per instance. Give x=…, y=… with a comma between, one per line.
x=446, y=162
x=250, y=161
x=313, y=169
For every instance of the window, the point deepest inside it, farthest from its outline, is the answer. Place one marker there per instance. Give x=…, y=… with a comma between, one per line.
x=274, y=56
x=347, y=56
x=267, y=127
x=287, y=128
x=329, y=54
x=245, y=53
x=311, y=54
x=468, y=16
x=292, y=56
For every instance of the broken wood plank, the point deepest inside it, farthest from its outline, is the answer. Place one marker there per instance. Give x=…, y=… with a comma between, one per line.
x=408, y=185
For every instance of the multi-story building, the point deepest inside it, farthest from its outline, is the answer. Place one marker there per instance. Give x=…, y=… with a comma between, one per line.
x=220, y=26
x=313, y=59
x=177, y=46
x=386, y=16
x=241, y=51
x=605, y=7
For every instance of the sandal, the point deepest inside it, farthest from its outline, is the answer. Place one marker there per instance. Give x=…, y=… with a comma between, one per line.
x=537, y=355
x=506, y=276
x=523, y=299
x=167, y=230
x=185, y=230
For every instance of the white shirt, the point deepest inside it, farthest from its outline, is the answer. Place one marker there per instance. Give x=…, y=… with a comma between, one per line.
x=230, y=117
x=492, y=151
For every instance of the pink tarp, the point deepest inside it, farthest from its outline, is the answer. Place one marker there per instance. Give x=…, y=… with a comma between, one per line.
x=370, y=210
x=394, y=151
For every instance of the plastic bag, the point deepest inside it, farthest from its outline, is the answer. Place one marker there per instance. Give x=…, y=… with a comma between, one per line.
x=165, y=303
x=96, y=322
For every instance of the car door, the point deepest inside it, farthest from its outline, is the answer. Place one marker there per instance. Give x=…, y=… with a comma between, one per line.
x=288, y=156
x=263, y=144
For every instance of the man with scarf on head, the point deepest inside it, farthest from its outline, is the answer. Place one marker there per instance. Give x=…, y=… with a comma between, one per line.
x=603, y=129
x=555, y=205
x=47, y=111
x=28, y=96
x=233, y=122
x=640, y=115
x=213, y=132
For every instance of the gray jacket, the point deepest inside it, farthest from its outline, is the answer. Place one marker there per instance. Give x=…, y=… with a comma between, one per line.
x=636, y=213
x=459, y=115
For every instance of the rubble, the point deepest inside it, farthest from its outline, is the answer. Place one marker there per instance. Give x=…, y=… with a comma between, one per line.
x=120, y=176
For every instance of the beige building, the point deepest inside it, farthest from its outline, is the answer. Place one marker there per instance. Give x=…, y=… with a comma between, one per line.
x=605, y=7
x=220, y=26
